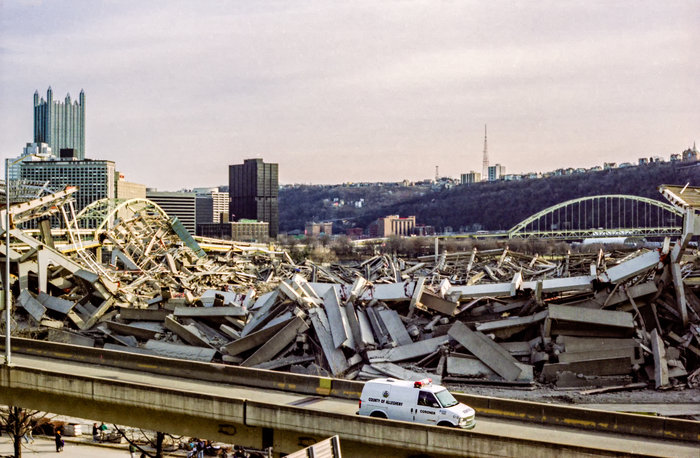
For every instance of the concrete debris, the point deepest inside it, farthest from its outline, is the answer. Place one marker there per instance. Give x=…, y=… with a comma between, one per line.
x=601, y=320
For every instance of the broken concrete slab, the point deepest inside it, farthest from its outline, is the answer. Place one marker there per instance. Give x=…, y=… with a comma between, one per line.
x=578, y=321
x=391, y=292
x=32, y=306
x=438, y=304
x=97, y=314
x=277, y=343
x=598, y=367
x=488, y=351
x=217, y=314
x=632, y=267
x=135, y=331
x=187, y=333
x=378, y=328
x=338, y=323
x=55, y=303
x=365, y=330
x=660, y=363
x=406, y=352
x=337, y=363
x=471, y=367
x=263, y=308
x=149, y=314
x=504, y=329
x=172, y=350
x=253, y=340
x=398, y=372
x=285, y=362
x=395, y=327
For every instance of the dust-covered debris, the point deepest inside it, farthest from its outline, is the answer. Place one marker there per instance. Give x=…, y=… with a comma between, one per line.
x=606, y=320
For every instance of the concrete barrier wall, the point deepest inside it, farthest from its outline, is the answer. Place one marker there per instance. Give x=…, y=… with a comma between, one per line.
x=540, y=413
x=586, y=419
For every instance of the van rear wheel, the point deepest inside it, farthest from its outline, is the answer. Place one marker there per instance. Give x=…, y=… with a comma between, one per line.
x=378, y=415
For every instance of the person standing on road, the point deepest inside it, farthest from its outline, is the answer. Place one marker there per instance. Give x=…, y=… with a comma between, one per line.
x=103, y=431
x=95, y=432
x=59, y=441
x=132, y=450
x=28, y=435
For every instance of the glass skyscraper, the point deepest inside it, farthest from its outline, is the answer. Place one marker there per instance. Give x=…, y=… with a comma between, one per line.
x=60, y=124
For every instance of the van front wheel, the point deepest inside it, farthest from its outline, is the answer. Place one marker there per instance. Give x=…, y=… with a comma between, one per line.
x=378, y=415
x=446, y=423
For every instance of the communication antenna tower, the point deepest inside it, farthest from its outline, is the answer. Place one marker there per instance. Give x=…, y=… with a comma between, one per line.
x=485, y=169
x=437, y=175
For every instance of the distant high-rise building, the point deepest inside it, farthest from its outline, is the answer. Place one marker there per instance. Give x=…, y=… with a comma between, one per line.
x=180, y=204
x=94, y=178
x=31, y=152
x=60, y=124
x=496, y=172
x=690, y=155
x=128, y=190
x=253, y=192
x=205, y=210
x=470, y=178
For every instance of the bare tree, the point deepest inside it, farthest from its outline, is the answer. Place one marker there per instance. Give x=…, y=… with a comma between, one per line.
x=18, y=422
x=156, y=443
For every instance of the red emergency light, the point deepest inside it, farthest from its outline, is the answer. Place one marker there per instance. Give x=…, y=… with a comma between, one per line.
x=421, y=383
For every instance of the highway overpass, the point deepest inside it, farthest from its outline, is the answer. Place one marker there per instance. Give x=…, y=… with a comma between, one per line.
x=261, y=408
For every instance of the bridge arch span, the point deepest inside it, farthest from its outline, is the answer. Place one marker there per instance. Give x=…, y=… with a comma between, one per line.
x=602, y=215
x=102, y=213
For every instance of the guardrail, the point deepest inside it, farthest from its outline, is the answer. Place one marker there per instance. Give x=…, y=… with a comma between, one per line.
x=540, y=413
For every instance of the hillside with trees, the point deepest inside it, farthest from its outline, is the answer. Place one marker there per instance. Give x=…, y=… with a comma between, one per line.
x=489, y=206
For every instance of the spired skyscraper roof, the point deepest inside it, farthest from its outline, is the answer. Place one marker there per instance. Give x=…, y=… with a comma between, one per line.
x=60, y=124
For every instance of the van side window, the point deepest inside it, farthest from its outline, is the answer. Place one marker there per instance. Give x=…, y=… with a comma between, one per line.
x=426, y=398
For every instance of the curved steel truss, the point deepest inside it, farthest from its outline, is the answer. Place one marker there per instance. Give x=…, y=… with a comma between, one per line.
x=102, y=214
x=610, y=215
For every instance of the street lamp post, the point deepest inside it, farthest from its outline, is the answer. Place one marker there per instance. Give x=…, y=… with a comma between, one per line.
x=8, y=295
x=7, y=263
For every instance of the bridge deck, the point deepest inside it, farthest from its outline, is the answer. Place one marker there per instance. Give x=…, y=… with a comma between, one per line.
x=485, y=426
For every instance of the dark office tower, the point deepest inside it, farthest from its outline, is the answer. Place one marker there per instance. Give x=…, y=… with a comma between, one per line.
x=253, y=191
x=60, y=124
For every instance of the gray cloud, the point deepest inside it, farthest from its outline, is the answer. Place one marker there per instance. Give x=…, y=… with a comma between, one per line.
x=356, y=91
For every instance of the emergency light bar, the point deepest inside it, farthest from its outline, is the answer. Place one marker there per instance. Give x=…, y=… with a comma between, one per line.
x=422, y=383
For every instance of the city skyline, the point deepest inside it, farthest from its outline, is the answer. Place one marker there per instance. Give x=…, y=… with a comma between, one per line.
x=338, y=92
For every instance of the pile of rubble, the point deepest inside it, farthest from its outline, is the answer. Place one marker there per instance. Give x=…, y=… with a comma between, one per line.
x=606, y=320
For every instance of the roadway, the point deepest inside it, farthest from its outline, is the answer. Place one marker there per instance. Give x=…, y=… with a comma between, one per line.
x=487, y=426
x=46, y=447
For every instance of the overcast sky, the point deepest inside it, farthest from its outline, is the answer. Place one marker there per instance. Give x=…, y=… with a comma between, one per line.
x=356, y=91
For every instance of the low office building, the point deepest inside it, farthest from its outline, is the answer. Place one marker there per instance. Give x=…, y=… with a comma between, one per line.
x=314, y=229
x=250, y=230
x=392, y=225
x=242, y=231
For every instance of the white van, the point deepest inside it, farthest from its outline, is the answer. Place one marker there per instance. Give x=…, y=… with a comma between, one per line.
x=420, y=401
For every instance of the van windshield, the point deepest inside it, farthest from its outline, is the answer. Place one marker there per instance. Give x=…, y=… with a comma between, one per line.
x=446, y=398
